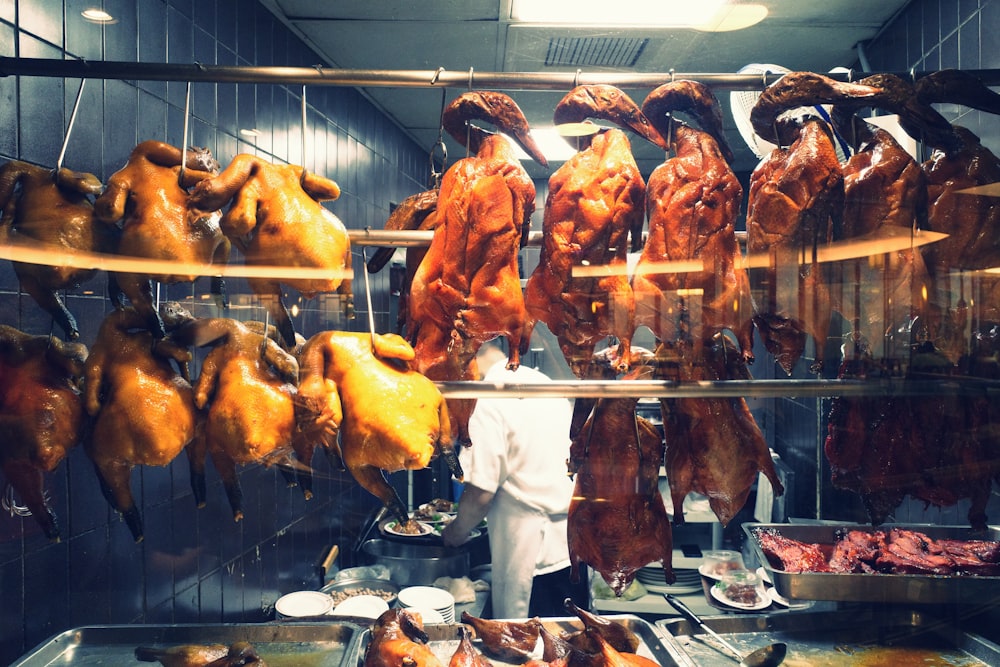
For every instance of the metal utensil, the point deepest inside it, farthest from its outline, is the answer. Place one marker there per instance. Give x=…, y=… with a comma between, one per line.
x=766, y=656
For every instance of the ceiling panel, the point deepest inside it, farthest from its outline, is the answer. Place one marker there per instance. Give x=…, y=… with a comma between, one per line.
x=392, y=10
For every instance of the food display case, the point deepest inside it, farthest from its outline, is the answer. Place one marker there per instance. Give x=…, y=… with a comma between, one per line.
x=867, y=391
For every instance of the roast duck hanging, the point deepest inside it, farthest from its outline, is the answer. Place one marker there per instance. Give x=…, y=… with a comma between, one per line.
x=275, y=219
x=52, y=210
x=41, y=414
x=148, y=198
x=467, y=288
x=594, y=214
x=343, y=376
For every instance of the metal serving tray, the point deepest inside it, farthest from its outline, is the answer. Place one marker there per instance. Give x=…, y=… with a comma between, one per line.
x=890, y=588
x=279, y=644
x=443, y=639
x=848, y=637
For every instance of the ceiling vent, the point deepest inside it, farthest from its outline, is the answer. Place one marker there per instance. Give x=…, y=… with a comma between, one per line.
x=594, y=51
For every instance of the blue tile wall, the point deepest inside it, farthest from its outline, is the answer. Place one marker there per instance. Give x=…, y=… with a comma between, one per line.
x=194, y=565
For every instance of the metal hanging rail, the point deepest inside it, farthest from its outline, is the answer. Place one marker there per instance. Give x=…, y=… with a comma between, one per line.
x=371, y=78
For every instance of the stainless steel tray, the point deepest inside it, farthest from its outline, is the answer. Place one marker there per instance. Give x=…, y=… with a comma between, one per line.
x=846, y=637
x=279, y=644
x=443, y=639
x=889, y=588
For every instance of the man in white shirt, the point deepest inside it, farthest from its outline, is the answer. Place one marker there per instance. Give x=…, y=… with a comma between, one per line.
x=515, y=477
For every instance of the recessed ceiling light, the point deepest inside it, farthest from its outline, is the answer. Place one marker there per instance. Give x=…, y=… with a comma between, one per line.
x=97, y=15
x=250, y=132
x=553, y=145
x=658, y=14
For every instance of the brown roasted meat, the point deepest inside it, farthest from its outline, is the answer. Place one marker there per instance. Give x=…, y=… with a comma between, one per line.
x=47, y=209
x=149, y=199
x=342, y=375
x=512, y=641
x=41, y=414
x=247, y=387
x=791, y=555
x=398, y=639
x=713, y=445
x=616, y=458
x=615, y=658
x=692, y=201
x=415, y=213
x=467, y=288
x=614, y=633
x=183, y=655
x=143, y=409
x=466, y=654
x=595, y=204
x=275, y=218
x=794, y=208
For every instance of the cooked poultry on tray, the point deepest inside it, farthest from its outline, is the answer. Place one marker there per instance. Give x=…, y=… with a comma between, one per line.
x=616, y=458
x=692, y=201
x=342, y=376
x=275, y=219
x=41, y=414
x=795, y=204
x=184, y=655
x=50, y=209
x=246, y=386
x=150, y=200
x=511, y=641
x=398, y=639
x=467, y=289
x=595, y=203
x=143, y=409
x=466, y=654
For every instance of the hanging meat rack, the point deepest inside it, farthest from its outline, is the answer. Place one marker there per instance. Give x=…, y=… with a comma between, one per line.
x=466, y=79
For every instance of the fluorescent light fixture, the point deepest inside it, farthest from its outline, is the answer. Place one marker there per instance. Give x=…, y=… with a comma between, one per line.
x=652, y=14
x=97, y=15
x=553, y=145
x=250, y=132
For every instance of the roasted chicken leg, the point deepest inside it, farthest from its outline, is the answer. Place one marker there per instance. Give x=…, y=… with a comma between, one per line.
x=51, y=210
x=41, y=414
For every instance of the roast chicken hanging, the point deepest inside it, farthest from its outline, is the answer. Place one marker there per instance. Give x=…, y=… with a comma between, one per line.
x=467, y=288
x=795, y=206
x=276, y=220
x=41, y=414
x=359, y=399
x=51, y=210
x=148, y=198
x=143, y=409
x=595, y=205
x=692, y=201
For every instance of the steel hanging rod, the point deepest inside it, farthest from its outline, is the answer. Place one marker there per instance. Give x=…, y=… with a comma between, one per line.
x=323, y=76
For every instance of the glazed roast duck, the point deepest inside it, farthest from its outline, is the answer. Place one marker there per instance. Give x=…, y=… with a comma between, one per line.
x=51, y=209
x=275, y=219
x=148, y=199
x=41, y=414
x=594, y=215
x=467, y=288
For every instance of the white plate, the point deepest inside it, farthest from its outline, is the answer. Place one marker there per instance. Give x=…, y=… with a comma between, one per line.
x=676, y=589
x=777, y=598
x=764, y=576
x=425, y=529
x=426, y=596
x=763, y=603
x=364, y=606
x=303, y=603
x=703, y=569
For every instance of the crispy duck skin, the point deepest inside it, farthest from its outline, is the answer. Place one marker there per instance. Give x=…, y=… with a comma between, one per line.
x=275, y=218
x=616, y=458
x=615, y=658
x=416, y=212
x=41, y=414
x=512, y=641
x=45, y=208
x=617, y=635
x=713, y=445
x=467, y=288
x=595, y=203
x=143, y=409
x=398, y=639
x=791, y=555
x=342, y=375
x=692, y=201
x=184, y=655
x=159, y=220
x=466, y=654
x=246, y=386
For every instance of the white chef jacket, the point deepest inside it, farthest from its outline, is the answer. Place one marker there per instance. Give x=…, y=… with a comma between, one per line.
x=519, y=451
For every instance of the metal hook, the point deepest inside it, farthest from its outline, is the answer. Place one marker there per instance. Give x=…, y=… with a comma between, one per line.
x=470, y=78
x=184, y=141
x=576, y=78
x=368, y=299
x=672, y=74
x=437, y=73
x=69, y=126
x=304, y=168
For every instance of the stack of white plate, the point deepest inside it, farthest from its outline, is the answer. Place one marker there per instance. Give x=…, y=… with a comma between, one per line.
x=651, y=576
x=427, y=599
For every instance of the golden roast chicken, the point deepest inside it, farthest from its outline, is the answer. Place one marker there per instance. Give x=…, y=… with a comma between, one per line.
x=148, y=198
x=41, y=414
x=51, y=209
x=389, y=417
x=275, y=218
